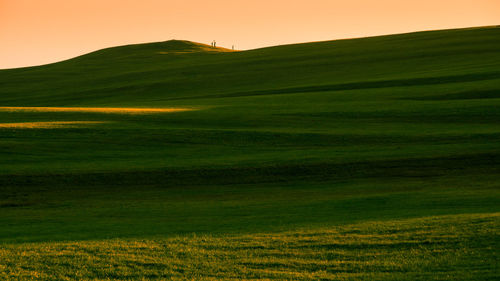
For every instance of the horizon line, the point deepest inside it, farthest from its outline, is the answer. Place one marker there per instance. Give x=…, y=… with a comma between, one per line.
x=260, y=48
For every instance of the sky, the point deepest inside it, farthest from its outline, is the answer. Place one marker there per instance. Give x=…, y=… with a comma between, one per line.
x=34, y=32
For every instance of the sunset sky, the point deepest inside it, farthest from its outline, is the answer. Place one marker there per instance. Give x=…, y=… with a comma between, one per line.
x=34, y=32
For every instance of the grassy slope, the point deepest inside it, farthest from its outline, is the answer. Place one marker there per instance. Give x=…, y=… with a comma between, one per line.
x=435, y=248
x=308, y=136
x=141, y=74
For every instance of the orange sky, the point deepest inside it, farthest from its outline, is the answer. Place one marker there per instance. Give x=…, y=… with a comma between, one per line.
x=36, y=32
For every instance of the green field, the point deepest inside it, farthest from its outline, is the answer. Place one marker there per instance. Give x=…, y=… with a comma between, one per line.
x=362, y=159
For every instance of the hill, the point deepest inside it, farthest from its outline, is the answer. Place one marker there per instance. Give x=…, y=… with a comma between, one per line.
x=364, y=159
x=146, y=73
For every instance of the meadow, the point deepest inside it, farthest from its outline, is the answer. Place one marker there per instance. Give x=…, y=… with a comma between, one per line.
x=362, y=159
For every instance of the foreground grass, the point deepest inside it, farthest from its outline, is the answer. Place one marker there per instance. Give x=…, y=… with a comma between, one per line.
x=456, y=247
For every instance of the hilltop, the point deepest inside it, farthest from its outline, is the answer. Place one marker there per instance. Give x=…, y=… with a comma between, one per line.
x=152, y=49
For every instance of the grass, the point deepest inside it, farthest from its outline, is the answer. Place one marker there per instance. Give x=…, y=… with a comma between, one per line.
x=109, y=110
x=431, y=248
x=46, y=125
x=384, y=148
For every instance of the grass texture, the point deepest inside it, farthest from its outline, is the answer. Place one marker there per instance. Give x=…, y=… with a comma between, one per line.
x=430, y=248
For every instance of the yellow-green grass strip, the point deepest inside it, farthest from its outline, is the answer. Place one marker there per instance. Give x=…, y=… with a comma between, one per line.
x=111, y=110
x=47, y=125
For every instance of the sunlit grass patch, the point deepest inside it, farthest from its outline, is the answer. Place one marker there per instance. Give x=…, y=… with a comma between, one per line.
x=112, y=110
x=47, y=125
x=457, y=247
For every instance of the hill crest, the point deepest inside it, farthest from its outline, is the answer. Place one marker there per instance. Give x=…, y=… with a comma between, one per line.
x=184, y=46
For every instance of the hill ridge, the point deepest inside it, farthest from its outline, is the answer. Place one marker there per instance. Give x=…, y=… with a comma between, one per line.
x=140, y=74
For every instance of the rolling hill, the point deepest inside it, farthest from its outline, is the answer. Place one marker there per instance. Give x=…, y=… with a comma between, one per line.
x=361, y=159
x=159, y=73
